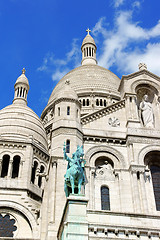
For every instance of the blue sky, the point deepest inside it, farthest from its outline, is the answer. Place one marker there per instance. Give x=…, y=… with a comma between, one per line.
x=45, y=37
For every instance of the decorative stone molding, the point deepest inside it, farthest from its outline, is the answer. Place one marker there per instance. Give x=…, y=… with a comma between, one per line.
x=134, y=168
x=114, y=122
x=101, y=150
x=114, y=141
x=144, y=140
x=103, y=112
x=39, y=154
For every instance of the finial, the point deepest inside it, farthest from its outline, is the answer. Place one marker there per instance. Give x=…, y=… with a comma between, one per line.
x=88, y=31
x=23, y=71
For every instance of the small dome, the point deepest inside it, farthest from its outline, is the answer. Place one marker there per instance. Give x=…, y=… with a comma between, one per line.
x=66, y=92
x=88, y=39
x=22, y=78
x=18, y=122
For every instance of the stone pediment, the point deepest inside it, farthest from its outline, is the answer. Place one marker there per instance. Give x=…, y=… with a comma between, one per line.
x=103, y=112
x=141, y=73
x=130, y=82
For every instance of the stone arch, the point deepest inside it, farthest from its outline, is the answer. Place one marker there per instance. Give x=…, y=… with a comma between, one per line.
x=24, y=211
x=93, y=153
x=135, y=84
x=146, y=150
x=5, y=152
x=19, y=154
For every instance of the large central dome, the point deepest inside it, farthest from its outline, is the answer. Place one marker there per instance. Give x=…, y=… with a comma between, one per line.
x=95, y=86
x=89, y=77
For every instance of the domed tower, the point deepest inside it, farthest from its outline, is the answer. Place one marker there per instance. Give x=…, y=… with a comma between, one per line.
x=21, y=89
x=66, y=118
x=23, y=163
x=88, y=50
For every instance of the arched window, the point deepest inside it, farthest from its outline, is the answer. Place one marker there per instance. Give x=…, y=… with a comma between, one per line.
x=97, y=102
x=68, y=110
x=15, y=166
x=152, y=160
x=33, y=175
x=87, y=51
x=68, y=146
x=87, y=102
x=59, y=111
x=105, y=103
x=101, y=103
x=40, y=177
x=21, y=92
x=84, y=102
x=5, y=165
x=155, y=172
x=84, y=52
x=105, y=201
x=18, y=92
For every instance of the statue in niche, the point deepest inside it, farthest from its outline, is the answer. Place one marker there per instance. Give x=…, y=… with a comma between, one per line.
x=147, y=112
x=74, y=177
x=101, y=169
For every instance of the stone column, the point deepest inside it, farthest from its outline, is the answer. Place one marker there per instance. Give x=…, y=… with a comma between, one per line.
x=135, y=190
x=36, y=176
x=143, y=192
x=134, y=107
x=52, y=190
x=10, y=167
x=92, y=197
x=20, y=169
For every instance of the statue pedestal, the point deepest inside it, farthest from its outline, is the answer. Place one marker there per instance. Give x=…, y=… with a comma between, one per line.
x=74, y=224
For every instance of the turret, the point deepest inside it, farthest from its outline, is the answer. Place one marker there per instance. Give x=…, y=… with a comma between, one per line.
x=21, y=89
x=67, y=118
x=88, y=50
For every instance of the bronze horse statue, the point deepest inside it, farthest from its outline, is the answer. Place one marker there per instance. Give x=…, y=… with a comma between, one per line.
x=74, y=177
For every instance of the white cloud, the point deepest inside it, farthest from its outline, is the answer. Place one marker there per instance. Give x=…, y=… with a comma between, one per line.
x=118, y=3
x=136, y=4
x=127, y=44
x=59, y=67
x=58, y=74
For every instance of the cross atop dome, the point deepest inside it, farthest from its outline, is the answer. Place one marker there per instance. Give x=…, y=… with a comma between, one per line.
x=23, y=71
x=88, y=31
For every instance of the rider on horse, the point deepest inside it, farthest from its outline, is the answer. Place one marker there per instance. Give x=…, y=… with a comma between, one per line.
x=74, y=176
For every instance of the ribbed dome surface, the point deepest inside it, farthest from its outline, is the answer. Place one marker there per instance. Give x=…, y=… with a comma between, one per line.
x=18, y=122
x=87, y=77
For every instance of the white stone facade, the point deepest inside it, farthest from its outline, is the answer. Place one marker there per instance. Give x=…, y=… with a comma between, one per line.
x=90, y=106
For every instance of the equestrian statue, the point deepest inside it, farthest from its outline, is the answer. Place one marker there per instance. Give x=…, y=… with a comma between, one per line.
x=74, y=177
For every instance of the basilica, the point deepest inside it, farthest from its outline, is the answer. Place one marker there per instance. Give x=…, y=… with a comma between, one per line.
x=116, y=122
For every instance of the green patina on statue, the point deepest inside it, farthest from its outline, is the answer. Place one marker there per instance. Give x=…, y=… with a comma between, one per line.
x=74, y=177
